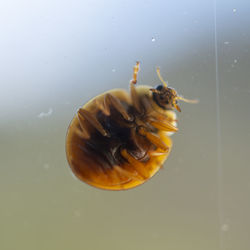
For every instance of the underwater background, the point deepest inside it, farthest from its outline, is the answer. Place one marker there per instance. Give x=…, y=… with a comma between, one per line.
x=56, y=55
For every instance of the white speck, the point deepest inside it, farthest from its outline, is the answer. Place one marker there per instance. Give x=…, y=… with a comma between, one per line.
x=46, y=166
x=235, y=60
x=113, y=70
x=226, y=42
x=234, y=10
x=45, y=114
x=153, y=39
x=225, y=227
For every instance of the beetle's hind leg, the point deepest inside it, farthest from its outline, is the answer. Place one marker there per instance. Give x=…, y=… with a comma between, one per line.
x=91, y=119
x=137, y=165
x=111, y=100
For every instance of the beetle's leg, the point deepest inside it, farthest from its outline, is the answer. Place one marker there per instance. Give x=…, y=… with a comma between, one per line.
x=159, y=153
x=137, y=165
x=136, y=141
x=83, y=132
x=162, y=122
x=146, y=104
x=134, y=97
x=102, y=106
x=115, y=102
x=126, y=171
x=136, y=69
x=133, y=93
x=154, y=139
x=165, y=126
x=82, y=113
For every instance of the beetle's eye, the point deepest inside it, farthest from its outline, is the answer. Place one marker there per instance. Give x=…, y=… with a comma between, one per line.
x=159, y=87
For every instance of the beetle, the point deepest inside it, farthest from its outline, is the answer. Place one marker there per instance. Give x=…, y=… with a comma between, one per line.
x=119, y=140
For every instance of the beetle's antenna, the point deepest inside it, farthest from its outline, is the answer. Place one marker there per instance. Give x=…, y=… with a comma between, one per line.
x=187, y=100
x=160, y=77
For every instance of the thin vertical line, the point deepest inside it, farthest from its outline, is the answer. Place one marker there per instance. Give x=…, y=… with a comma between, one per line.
x=218, y=126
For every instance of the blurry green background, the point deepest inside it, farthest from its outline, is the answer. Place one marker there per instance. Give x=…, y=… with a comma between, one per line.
x=56, y=55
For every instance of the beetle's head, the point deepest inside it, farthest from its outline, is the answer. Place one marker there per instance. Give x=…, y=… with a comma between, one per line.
x=167, y=98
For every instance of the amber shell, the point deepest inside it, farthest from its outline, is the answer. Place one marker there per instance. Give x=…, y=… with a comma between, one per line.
x=97, y=160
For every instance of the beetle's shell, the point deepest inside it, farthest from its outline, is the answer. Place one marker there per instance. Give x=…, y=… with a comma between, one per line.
x=92, y=168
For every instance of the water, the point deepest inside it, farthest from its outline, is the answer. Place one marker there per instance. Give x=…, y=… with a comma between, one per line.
x=55, y=56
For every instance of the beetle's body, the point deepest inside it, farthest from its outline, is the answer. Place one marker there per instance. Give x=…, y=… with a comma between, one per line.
x=119, y=140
